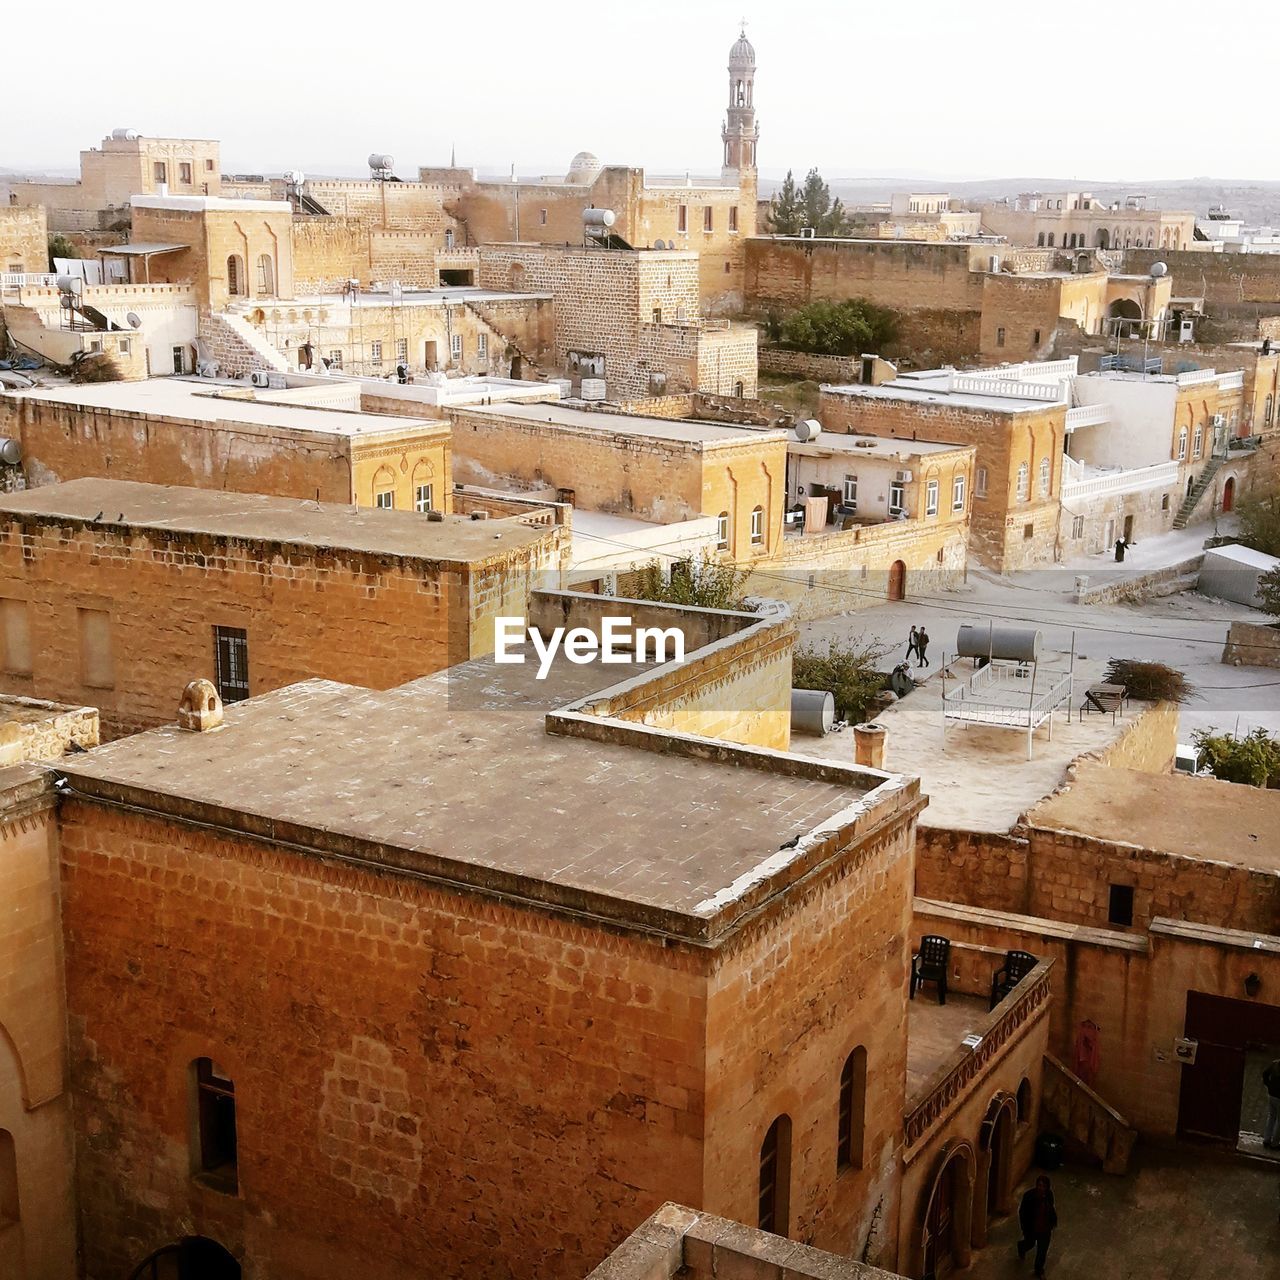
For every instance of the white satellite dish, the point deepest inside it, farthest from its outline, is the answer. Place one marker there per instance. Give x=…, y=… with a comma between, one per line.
x=134, y=320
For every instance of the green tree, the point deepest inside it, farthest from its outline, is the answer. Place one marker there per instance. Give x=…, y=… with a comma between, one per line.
x=786, y=213
x=849, y=670
x=1253, y=760
x=61, y=247
x=1269, y=591
x=845, y=328
x=825, y=215
x=1260, y=526
x=707, y=583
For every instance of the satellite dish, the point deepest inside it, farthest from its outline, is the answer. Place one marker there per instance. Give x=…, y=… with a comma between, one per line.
x=134, y=320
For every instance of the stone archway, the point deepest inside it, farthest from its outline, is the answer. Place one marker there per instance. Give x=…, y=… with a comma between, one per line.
x=946, y=1227
x=995, y=1164
x=194, y=1258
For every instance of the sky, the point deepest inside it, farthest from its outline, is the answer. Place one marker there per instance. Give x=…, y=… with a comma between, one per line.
x=1004, y=88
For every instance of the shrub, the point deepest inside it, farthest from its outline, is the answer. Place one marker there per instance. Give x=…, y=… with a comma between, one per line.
x=848, y=670
x=845, y=328
x=1269, y=591
x=1253, y=760
x=1260, y=526
x=96, y=368
x=61, y=247
x=1149, y=681
x=706, y=583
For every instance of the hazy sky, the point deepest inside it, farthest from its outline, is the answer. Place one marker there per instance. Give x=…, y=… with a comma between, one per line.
x=1000, y=88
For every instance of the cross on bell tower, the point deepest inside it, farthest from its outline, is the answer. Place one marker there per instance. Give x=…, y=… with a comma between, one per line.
x=740, y=132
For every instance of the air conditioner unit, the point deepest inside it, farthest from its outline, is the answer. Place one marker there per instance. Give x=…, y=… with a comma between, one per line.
x=808, y=233
x=902, y=477
x=260, y=378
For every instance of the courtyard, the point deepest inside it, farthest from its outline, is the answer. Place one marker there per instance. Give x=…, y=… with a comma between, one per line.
x=1179, y=1214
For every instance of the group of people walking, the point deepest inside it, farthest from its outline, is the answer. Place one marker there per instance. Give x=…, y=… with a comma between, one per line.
x=918, y=644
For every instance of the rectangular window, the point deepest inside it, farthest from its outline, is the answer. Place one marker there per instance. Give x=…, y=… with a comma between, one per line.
x=1197, y=443
x=733, y=217
x=15, y=637
x=931, y=498
x=386, y=500
x=1028, y=532
x=1035, y=340
x=455, y=346
x=980, y=483
x=1077, y=527
x=708, y=218
x=208, y=166
x=957, y=493
x=1000, y=337
x=124, y=345
x=851, y=491
x=657, y=315
x=179, y=359
x=722, y=531
x=423, y=498
x=897, y=497
x=375, y=352
x=97, y=663
x=757, y=526
x=184, y=172
x=1164, y=502
x=542, y=217
x=682, y=218
x=231, y=663
x=160, y=170
x=1120, y=904
x=402, y=350
x=482, y=345
x=215, y=1125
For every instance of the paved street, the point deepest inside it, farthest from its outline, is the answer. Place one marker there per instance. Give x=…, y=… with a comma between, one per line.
x=1177, y=1215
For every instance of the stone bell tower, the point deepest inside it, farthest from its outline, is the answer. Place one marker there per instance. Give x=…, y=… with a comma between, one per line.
x=740, y=132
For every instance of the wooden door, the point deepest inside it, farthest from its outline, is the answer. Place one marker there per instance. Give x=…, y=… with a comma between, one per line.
x=898, y=581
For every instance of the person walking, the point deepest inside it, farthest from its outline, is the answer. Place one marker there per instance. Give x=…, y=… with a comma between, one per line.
x=1121, y=547
x=1271, y=1133
x=1038, y=1219
x=922, y=644
x=912, y=639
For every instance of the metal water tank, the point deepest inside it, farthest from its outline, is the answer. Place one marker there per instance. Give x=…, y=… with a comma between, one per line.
x=10, y=451
x=1013, y=644
x=809, y=429
x=813, y=711
x=598, y=217
x=380, y=160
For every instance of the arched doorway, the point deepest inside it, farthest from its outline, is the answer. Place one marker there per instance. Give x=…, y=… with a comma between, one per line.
x=1229, y=494
x=267, y=277
x=897, y=581
x=237, y=285
x=1125, y=316
x=195, y=1258
x=997, y=1141
x=946, y=1240
x=1104, y=240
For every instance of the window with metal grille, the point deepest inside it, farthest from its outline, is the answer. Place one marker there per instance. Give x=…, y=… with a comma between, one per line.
x=775, y=1177
x=161, y=171
x=335, y=359
x=402, y=350
x=1077, y=527
x=455, y=346
x=482, y=345
x=1024, y=481
x=184, y=172
x=215, y=1157
x=375, y=352
x=853, y=1088
x=231, y=663
x=422, y=498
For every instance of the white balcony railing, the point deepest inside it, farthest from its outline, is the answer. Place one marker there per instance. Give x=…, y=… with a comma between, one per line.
x=1160, y=476
x=1087, y=415
x=1194, y=377
x=1233, y=381
x=1014, y=388
x=1072, y=470
x=11, y=280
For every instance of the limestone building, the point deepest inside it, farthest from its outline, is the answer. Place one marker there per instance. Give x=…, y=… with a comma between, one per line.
x=1077, y=219
x=106, y=585
x=24, y=241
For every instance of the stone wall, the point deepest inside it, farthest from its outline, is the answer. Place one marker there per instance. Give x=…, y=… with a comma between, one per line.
x=375, y=620
x=24, y=239
x=1233, y=285
x=810, y=365
x=1252, y=644
x=31, y=729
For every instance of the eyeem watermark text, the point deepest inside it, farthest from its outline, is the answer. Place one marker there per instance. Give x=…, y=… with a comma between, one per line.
x=617, y=642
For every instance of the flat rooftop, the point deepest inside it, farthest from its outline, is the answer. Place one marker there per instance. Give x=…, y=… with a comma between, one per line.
x=979, y=778
x=833, y=443
x=678, y=430
x=204, y=400
x=454, y=776
x=1232, y=823
x=129, y=504
x=445, y=295
x=924, y=392
x=936, y=1031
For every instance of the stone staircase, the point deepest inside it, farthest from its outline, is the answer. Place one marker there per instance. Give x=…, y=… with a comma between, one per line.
x=1082, y=1116
x=533, y=371
x=1201, y=487
x=237, y=345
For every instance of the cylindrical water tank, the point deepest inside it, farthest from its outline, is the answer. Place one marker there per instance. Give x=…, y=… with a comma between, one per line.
x=808, y=429
x=868, y=745
x=1014, y=644
x=10, y=451
x=812, y=711
x=599, y=217
x=380, y=160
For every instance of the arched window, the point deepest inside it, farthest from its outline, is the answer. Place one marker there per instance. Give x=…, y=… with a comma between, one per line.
x=1197, y=443
x=1182, y=444
x=213, y=1155
x=957, y=491
x=722, y=531
x=757, y=526
x=1040, y=240
x=1024, y=1101
x=448, y=237
x=267, y=277
x=1024, y=482
x=1046, y=476
x=852, y=1110
x=1050, y=240
x=237, y=285
x=775, y=1177
x=8, y=1180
